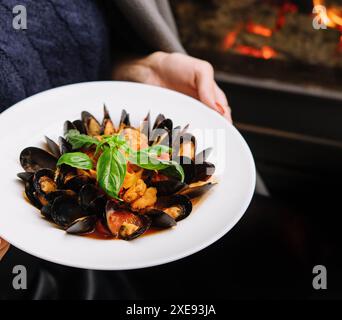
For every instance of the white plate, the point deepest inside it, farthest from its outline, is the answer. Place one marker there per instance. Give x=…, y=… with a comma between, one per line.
x=26, y=123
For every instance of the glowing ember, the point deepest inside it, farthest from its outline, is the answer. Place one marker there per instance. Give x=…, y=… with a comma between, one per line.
x=258, y=29
x=265, y=52
x=229, y=40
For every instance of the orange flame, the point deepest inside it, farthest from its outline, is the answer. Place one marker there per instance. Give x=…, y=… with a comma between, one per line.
x=258, y=29
x=265, y=52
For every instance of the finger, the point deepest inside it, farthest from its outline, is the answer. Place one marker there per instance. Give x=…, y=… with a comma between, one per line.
x=221, y=101
x=205, y=85
x=4, y=246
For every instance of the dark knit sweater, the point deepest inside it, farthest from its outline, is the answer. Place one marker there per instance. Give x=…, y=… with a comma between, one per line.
x=66, y=41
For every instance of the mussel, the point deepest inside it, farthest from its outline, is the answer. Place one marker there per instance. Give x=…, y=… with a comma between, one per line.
x=107, y=124
x=178, y=206
x=53, y=147
x=160, y=219
x=43, y=182
x=82, y=225
x=92, y=126
x=124, y=224
x=65, y=210
x=32, y=159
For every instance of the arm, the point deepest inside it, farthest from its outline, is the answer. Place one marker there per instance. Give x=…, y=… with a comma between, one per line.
x=176, y=71
x=4, y=246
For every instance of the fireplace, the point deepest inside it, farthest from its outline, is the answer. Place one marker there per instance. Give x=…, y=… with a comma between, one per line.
x=283, y=79
x=262, y=40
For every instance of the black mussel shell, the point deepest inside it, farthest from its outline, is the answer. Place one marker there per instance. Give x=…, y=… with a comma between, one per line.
x=196, y=191
x=87, y=194
x=43, y=182
x=53, y=147
x=168, y=187
x=77, y=182
x=92, y=200
x=68, y=125
x=25, y=176
x=50, y=197
x=32, y=159
x=158, y=120
x=82, y=225
x=181, y=203
x=62, y=173
x=64, y=145
x=30, y=192
x=124, y=120
x=46, y=211
x=188, y=167
x=79, y=126
x=65, y=210
x=145, y=126
x=159, y=219
x=107, y=123
x=119, y=222
x=92, y=126
x=203, y=171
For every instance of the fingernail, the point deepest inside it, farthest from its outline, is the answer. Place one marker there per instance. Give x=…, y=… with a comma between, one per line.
x=221, y=109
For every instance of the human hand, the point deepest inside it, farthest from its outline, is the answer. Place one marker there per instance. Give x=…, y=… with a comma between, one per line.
x=4, y=246
x=179, y=72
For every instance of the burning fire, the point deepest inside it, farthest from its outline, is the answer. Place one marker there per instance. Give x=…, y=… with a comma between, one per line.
x=332, y=17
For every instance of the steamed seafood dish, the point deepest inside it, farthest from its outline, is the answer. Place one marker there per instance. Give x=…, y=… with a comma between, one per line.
x=116, y=180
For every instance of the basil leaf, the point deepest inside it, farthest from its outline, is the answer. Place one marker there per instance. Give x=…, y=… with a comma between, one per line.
x=78, y=140
x=76, y=159
x=111, y=171
x=144, y=160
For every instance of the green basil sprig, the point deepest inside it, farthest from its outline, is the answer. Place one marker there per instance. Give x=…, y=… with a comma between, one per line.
x=112, y=163
x=76, y=159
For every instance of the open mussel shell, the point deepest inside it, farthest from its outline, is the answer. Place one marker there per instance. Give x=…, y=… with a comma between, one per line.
x=196, y=190
x=83, y=225
x=124, y=224
x=65, y=210
x=68, y=125
x=43, y=182
x=92, y=126
x=30, y=193
x=78, y=124
x=160, y=219
x=53, y=147
x=32, y=159
x=158, y=120
x=124, y=120
x=107, y=123
x=178, y=206
x=145, y=126
x=64, y=145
